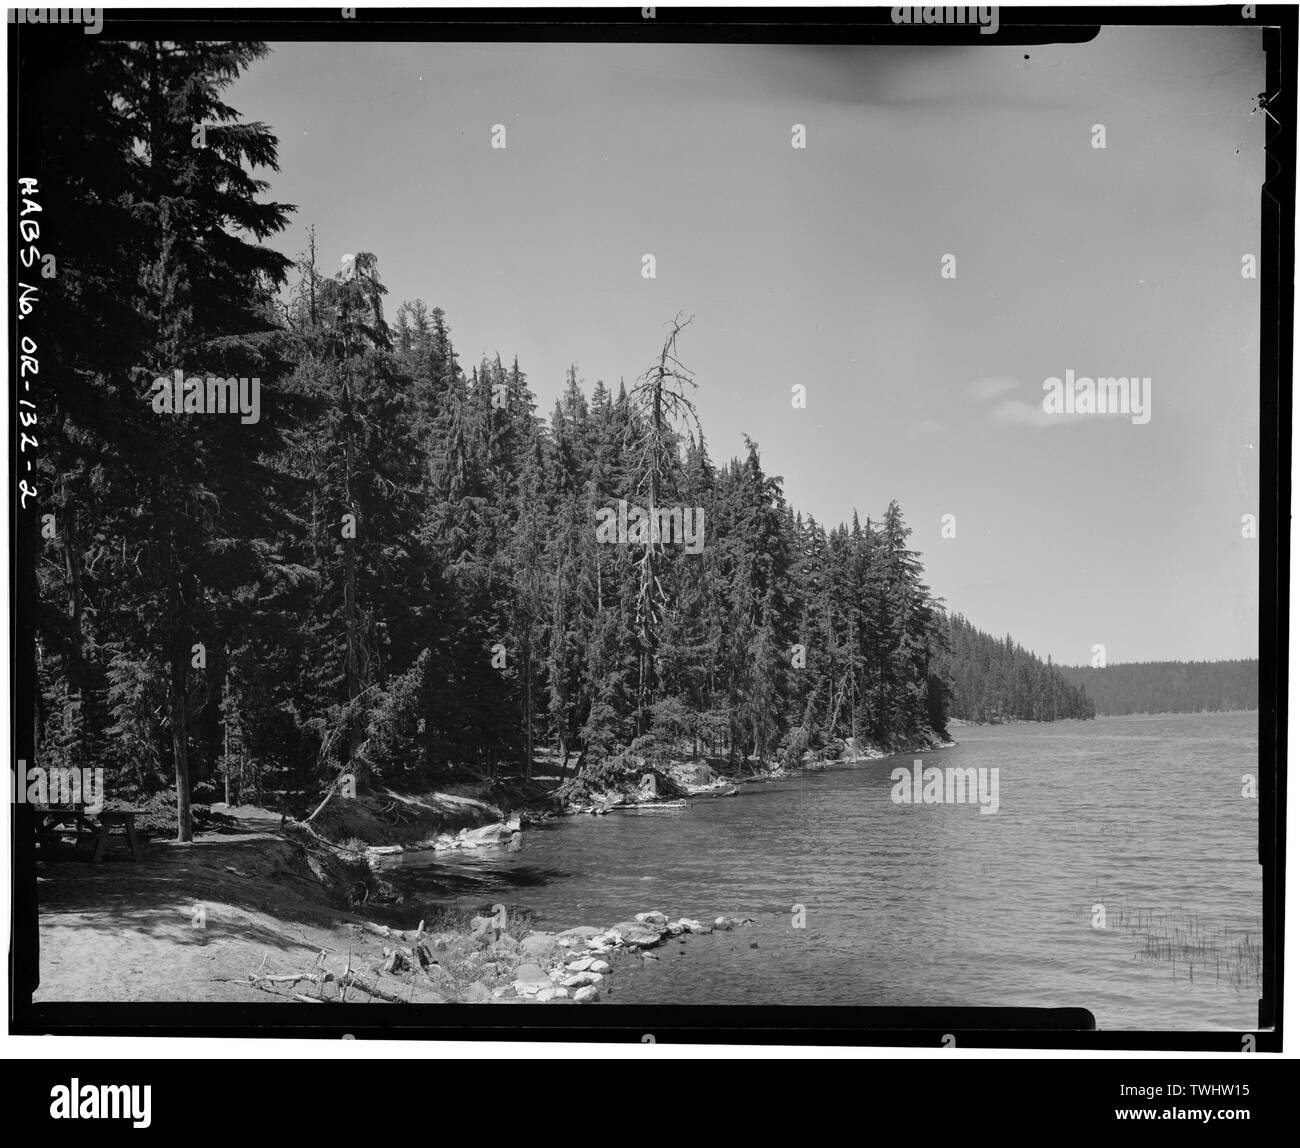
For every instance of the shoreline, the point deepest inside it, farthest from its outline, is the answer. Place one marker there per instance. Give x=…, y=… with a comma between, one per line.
x=269, y=916
x=253, y=909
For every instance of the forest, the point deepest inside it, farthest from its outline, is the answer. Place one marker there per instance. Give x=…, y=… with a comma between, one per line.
x=1169, y=687
x=397, y=569
x=995, y=680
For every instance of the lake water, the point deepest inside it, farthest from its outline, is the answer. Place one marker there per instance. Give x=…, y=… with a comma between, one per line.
x=937, y=904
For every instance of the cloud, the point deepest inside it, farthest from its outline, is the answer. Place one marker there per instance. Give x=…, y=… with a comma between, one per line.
x=990, y=388
x=926, y=427
x=1018, y=413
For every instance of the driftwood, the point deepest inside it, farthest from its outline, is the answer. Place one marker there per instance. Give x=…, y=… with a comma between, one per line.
x=352, y=981
x=415, y=960
x=349, y=980
x=267, y=989
x=408, y=937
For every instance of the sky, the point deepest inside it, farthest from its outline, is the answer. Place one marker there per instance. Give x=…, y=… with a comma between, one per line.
x=822, y=265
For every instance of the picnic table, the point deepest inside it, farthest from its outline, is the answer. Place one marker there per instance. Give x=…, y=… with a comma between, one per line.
x=54, y=823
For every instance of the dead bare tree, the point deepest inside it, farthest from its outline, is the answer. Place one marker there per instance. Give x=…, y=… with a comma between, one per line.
x=662, y=411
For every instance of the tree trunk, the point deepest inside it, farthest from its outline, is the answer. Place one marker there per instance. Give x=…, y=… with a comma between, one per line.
x=352, y=636
x=179, y=668
x=225, y=732
x=352, y=660
x=528, y=708
x=311, y=277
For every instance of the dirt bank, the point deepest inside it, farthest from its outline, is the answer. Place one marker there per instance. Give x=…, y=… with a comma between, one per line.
x=193, y=920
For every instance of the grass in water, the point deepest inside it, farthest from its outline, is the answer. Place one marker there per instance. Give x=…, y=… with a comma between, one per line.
x=1231, y=953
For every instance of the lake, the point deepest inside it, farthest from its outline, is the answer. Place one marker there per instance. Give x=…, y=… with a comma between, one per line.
x=1139, y=817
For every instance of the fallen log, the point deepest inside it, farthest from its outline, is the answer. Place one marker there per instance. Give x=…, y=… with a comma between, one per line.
x=387, y=932
x=265, y=988
x=351, y=980
x=284, y=978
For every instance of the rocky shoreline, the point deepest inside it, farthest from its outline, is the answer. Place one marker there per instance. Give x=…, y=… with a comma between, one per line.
x=637, y=783
x=634, y=782
x=581, y=977
x=573, y=966
x=647, y=793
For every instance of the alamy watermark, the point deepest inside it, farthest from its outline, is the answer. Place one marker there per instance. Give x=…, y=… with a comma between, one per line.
x=179, y=395
x=77, y=1101
x=92, y=19
x=623, y=525
x=952, y=785
x=1080, y=395
x=985, y=15
x=62, y=785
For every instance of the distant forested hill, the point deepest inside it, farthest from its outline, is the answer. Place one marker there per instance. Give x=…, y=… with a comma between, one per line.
x=1169, y=687
x=994, y=679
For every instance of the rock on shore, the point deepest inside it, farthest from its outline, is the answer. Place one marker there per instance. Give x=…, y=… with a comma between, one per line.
x=568, y=965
